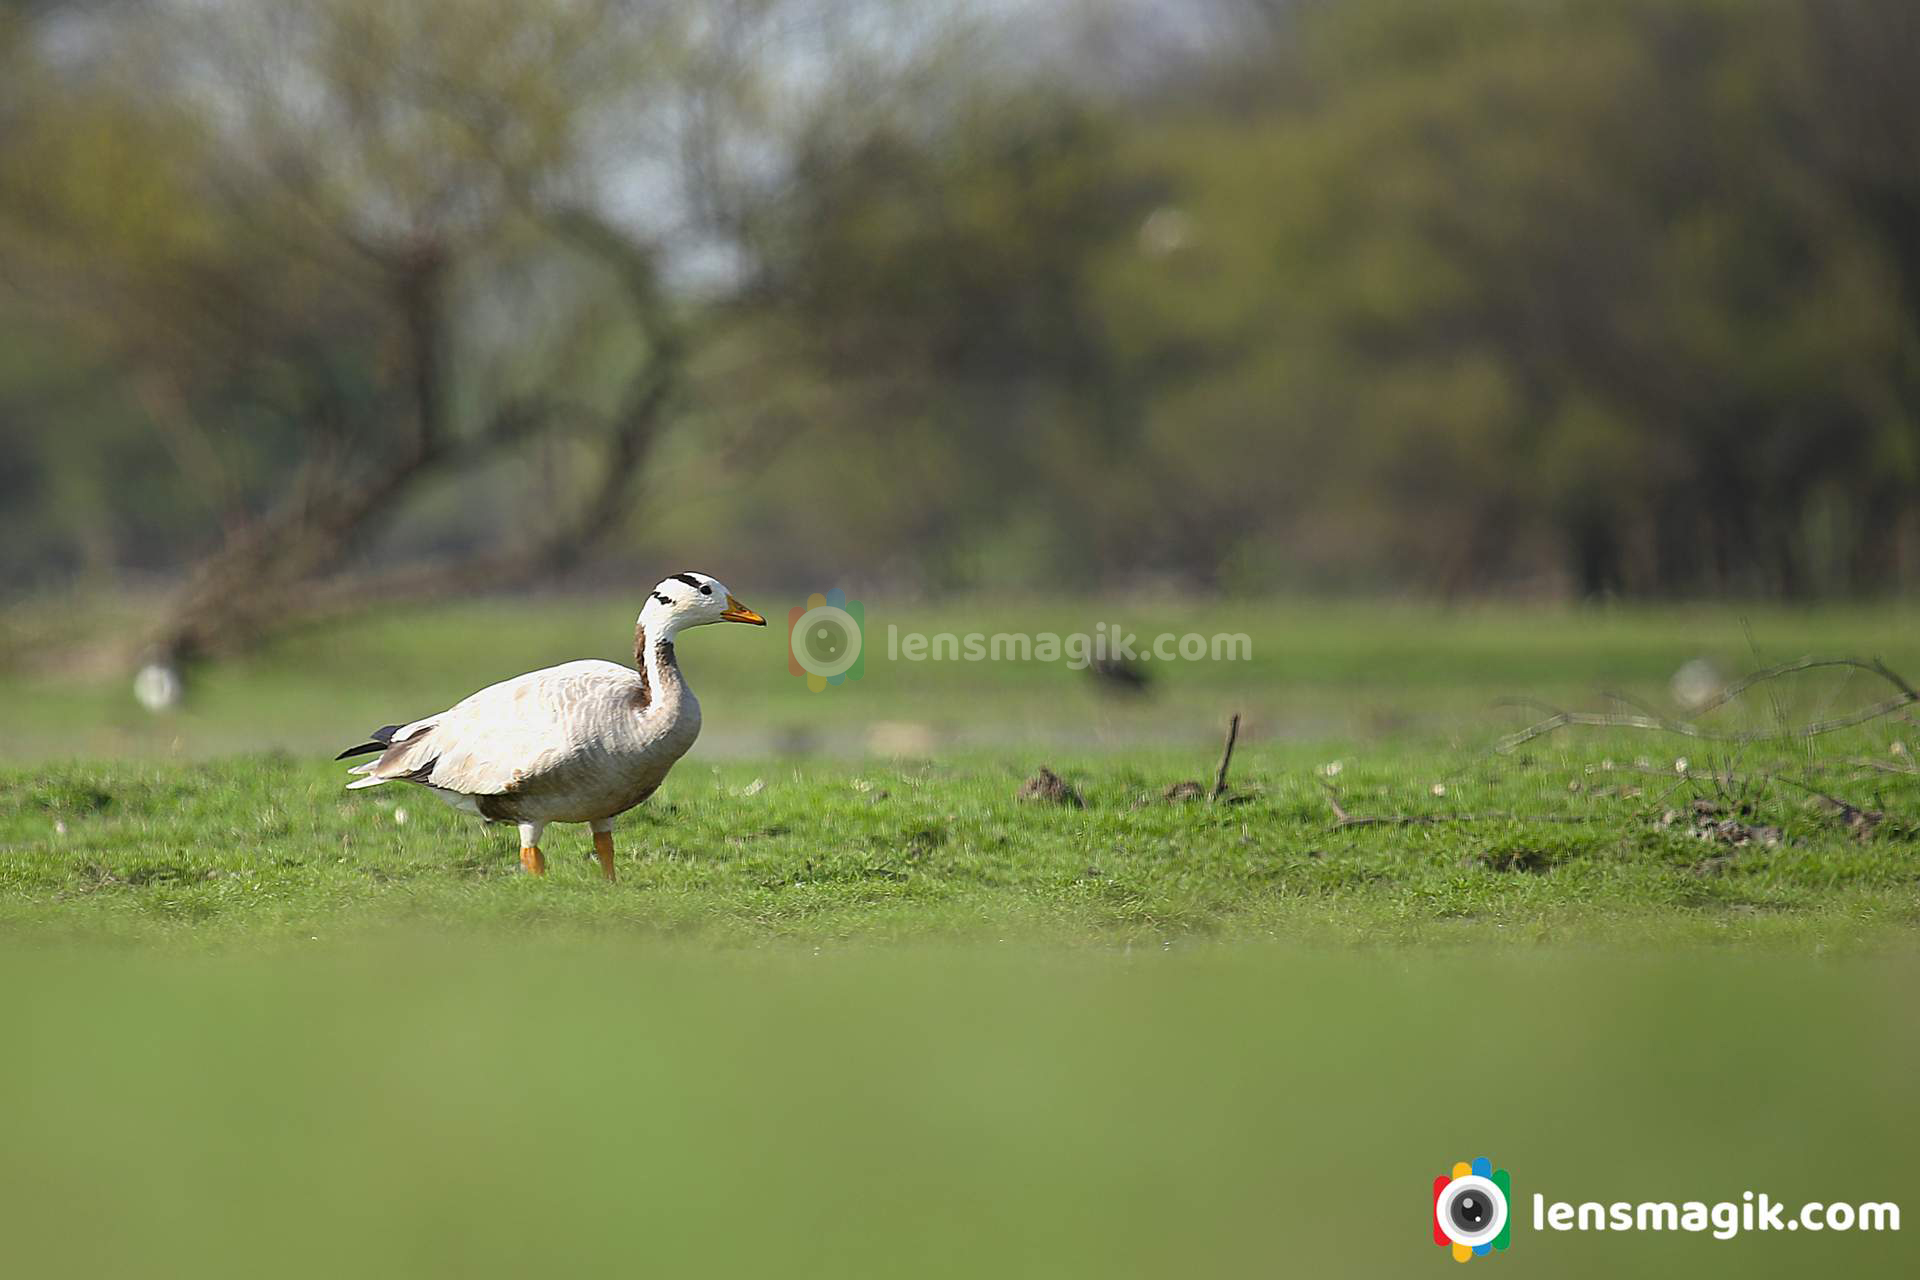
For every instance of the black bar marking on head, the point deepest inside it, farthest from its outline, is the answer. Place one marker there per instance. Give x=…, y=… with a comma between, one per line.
x=687, y=578
x=663, y=597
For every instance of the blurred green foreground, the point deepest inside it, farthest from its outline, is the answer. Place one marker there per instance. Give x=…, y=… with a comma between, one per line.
x=560, y=1109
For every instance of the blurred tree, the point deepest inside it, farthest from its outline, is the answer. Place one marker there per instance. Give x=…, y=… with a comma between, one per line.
x=354, y=300
x=937, y=275
x=1853, y=104
x=347, y=254
x=1378, y=292
x=1507, y=277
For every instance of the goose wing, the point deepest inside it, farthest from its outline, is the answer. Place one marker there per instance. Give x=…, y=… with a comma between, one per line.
x=510, y=734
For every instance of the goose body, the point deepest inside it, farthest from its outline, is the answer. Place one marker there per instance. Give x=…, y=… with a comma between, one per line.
x=581, y=742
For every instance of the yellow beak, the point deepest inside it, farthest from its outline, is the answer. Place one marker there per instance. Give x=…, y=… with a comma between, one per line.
x=737, y=612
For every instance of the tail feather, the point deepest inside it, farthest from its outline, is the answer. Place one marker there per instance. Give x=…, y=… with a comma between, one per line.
x=379, y=740
x=401, y=760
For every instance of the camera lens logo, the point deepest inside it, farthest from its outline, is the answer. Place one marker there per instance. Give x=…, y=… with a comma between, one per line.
x=824, y=640
x=1470, y=1209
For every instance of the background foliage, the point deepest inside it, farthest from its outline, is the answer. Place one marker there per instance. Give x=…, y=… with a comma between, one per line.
x=344, y=300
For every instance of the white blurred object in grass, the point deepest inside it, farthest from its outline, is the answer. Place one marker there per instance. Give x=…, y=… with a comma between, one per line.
x=1696, y=683
x=158, y=687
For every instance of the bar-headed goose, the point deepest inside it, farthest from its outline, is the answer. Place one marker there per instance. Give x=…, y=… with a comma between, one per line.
x=580, y=742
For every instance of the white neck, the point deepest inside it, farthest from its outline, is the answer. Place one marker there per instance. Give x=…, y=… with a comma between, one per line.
x=663, y=677
x=657, y=629
x=661, y=622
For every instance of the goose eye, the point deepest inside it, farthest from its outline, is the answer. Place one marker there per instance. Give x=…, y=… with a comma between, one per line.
x=706, y=591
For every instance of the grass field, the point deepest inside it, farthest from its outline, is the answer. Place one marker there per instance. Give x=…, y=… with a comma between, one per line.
x=268, y=850
x=853, y=1009
x=1408, y=675
x=876, y=810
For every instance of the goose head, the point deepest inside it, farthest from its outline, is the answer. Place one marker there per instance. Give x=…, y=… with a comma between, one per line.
x=691, y=600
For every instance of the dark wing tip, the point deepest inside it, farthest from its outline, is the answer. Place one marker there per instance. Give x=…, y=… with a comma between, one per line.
x=379, y=740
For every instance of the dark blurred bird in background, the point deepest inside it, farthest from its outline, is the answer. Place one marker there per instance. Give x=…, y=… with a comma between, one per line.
x=1120, y=677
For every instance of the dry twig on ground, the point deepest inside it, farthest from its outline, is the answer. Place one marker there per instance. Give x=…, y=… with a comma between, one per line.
x=1226, y=759
x=1342, y=819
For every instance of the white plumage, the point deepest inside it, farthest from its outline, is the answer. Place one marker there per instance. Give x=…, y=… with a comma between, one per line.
x=580, y=742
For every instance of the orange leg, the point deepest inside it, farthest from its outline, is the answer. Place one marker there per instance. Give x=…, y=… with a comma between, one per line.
x=603, y=849
x=533, y=860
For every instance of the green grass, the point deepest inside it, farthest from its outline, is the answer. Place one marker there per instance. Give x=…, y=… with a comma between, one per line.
x=853, y=1010
x=270, y=849
x=1319, y=672
x=878, y=810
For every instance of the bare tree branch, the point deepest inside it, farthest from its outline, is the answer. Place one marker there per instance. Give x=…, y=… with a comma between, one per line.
x=1646, y=718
